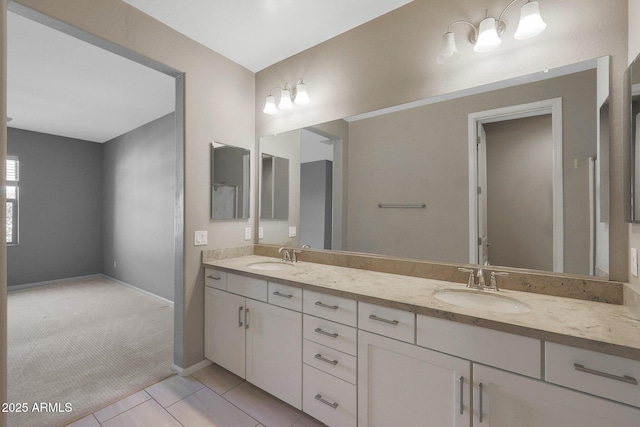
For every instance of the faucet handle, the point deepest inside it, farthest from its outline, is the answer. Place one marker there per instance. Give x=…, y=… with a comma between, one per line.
x=493, y=284
x=471, y=283
x=294, y=254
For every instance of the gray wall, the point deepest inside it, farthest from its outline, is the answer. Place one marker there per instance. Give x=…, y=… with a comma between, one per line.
x=139, y=198
x=60, y=208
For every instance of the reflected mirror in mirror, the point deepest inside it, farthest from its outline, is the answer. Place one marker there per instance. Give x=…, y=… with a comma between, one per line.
x=422, y=154
x=274, y=194
x=634, y=88
x=230, y=177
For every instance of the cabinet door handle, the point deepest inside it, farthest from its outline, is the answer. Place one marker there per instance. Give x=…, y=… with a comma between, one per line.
x=214, y=278
x=625, y=378
x=278, y=294
x=246, y=318
x=480, y=402
x=329, y=334
x=461, y=395
x=325, y=360
x=321, y=304
x=319, y=397
x=240, y=309
x=380, y=319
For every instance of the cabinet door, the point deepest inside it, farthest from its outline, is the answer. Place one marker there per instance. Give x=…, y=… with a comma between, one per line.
x=224, y=330
x=508, y=400
x=404, y=385
x=274, y=351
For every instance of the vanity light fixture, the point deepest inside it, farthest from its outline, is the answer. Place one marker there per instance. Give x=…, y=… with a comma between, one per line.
x=486, y=36
x=288, y=96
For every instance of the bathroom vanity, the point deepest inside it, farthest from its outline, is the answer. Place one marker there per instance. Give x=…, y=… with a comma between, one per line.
x=353, y=347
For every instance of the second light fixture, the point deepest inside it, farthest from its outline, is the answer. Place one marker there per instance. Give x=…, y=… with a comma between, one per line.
x=288, y=96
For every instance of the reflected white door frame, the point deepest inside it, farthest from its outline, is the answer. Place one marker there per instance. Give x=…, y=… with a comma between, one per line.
x=476, y=120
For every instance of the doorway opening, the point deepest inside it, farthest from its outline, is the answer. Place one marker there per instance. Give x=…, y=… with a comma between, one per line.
x=481, y=204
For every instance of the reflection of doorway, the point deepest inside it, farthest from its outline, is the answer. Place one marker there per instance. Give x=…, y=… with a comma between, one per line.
x=316, y=190
x=517, y=193
x=483, y=174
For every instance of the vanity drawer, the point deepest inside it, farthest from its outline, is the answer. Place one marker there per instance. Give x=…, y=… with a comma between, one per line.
x=247, y=286
x=329, y=399
x=331, y=361
x=601, y=374
x=390, y=322
x=331, y=334
x=503, y=350
x=337, y=309
x=215, y=279
x=285, y=296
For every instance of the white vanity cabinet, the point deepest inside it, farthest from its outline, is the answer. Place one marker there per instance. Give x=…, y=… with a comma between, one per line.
x=503, y=399
x=253, y=339
x=400, y=384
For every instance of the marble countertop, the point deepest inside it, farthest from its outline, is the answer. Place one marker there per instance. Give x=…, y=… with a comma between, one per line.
x=606, y=328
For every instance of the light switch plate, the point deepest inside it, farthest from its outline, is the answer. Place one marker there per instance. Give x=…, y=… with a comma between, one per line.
x=200, y=238
x=247, y=233
x=634, y=262
x=292, y=231
x=260, y=232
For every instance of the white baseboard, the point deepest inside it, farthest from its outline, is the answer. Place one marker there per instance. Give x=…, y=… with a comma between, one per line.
x=185, y=372
x=52, y=282
x=135, y=288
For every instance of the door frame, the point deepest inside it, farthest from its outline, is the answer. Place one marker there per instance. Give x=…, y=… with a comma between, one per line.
x=549, y=106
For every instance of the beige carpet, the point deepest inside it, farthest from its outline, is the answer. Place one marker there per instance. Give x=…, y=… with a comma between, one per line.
x=87, y=343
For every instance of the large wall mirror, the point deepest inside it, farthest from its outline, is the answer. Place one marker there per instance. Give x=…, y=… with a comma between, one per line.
x=230, y=177
x=511, y=174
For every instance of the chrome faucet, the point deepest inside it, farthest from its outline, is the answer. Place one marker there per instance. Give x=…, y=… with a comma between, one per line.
x=481, y=284
x=286, y=256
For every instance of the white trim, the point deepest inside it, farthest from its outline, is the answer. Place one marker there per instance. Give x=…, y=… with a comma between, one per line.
x=135, y=288
x=52, y=282
x=549, y=106
x=185, y=372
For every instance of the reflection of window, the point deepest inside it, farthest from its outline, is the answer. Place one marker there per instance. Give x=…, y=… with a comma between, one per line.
x=12, y=200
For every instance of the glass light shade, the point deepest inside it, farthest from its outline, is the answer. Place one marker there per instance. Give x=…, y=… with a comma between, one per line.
x=302, y=97
x=488, y=38
x=270, y=105
x=531, y=23
x=285, y=100
x=449, y=51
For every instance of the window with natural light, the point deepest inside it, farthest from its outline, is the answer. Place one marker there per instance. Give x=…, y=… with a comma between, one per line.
x=12, y=200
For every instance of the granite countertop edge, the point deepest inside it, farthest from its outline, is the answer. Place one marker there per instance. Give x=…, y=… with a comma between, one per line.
x=605, y=328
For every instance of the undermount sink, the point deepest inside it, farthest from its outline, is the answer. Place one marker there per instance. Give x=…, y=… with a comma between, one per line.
x=270, y=265
x=482, y=299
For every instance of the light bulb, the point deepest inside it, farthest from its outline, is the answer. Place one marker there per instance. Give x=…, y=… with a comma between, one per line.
x=302, y=97
x=531, y=23
x=270, y=105
x=488, y=38
x=285, y=100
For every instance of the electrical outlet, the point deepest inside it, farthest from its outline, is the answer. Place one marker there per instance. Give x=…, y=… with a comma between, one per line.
x=199, y=238
x=247, y=233
x=292, y=231
x=634, y=262
x=260, y=232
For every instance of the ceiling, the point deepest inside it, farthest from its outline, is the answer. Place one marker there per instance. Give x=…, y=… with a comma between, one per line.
x=59, y=85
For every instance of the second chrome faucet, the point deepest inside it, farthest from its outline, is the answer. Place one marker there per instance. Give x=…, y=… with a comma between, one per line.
x=481, y=283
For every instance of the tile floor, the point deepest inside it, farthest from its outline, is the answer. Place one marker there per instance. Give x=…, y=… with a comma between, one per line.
x=211, y=397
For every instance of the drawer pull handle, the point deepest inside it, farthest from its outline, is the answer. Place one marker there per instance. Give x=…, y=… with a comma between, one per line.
x=214, y=278
x=332, y=307
x=461, y=395
x=334, y=405
x=325, y=360
x=240, y=309
x=329, y=334
x=480, y=402
x=380, y=319
x=246, y=318
x=278, y=294
x=625, y=378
